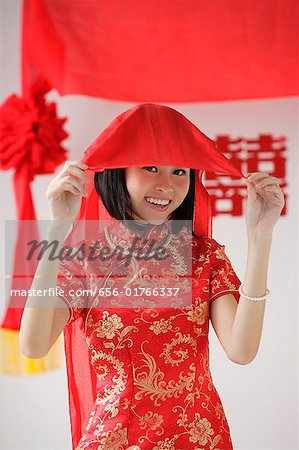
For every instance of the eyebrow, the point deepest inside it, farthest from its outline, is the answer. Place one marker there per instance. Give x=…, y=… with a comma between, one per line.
x=179, y=167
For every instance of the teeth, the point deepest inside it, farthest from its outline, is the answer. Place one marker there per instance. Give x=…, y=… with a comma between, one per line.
x=157, y=202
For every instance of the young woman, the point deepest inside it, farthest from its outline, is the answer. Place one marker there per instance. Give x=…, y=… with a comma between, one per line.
x=138, y=365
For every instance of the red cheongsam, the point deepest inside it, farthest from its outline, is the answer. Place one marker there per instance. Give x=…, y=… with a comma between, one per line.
x=154, y=389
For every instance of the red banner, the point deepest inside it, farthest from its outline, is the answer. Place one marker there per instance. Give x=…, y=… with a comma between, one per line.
x=162, y=51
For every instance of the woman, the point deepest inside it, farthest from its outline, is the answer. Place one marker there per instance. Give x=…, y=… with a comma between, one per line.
x=138, y=364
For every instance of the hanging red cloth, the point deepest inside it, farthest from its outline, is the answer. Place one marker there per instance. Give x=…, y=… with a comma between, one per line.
x=165, y=51
x=144, y=135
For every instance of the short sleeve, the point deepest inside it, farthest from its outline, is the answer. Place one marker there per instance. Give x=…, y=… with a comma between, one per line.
x=71, y=281
x=223, y=278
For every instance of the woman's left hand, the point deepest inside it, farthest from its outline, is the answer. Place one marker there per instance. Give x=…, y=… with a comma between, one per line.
x=265, y=202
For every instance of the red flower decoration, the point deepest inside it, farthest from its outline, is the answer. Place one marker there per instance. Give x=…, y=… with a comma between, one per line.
x=31, y=133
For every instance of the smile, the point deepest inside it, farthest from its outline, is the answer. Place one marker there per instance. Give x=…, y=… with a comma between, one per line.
x=157, y=203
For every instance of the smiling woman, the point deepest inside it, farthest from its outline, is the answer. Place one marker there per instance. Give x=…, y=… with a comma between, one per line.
x=138, y=370
x=147, y=188
x=130, y=193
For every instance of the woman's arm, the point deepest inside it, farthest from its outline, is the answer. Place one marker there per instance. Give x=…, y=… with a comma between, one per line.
x=40, y=326
x=247, y=325
x=239, y=325
x=37, y=322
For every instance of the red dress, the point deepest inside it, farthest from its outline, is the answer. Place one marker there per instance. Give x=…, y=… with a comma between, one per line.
x=154, y=386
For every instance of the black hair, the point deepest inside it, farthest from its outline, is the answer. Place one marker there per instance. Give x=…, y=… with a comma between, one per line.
x=111, y=186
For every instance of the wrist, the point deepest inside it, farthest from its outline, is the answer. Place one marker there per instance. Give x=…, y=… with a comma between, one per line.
x=260, y=236
x=59, y=228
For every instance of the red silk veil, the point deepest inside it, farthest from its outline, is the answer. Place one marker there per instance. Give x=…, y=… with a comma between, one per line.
x=146, y=134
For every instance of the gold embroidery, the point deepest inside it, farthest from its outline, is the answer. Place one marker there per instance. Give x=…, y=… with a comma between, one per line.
x=150, y=381
x=175, y=356
x=108, y=326
x=167, y=444
x=158, y=358
x=200, y=430
x=161, y=326
x=115, y=439
x=150, y=420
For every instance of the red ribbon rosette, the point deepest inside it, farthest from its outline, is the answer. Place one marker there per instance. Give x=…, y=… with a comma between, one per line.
x=31, y=135
x=30, y=142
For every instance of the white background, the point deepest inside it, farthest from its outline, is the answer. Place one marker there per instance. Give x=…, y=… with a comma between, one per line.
x=260, y=399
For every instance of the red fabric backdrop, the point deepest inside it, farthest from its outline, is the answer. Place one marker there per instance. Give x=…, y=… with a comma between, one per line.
x=166, y=51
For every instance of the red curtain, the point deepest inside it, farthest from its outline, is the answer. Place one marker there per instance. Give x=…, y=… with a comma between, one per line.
x=166, y=51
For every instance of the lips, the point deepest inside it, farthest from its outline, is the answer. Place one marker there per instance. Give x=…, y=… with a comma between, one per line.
x=158, y=207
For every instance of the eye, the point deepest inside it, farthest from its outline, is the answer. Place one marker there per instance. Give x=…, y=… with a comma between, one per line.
x=150, y=167
x=181, y=170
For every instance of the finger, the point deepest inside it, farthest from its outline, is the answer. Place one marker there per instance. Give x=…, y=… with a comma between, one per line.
x=274, y=195
x=82, y=165
x=75, y=183
x=249, y=174
x=74, y=171
x=257, y=176
x=267, y=182
x=77, y=163
x=257, y=173
x=270, y=192
x=71, y=188
x=251, y=191
x=53, y=191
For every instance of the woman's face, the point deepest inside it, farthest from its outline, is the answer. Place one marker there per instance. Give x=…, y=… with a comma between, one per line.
x=151, y=184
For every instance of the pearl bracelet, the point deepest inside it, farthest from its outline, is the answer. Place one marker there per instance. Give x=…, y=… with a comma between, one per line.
x=256, y=299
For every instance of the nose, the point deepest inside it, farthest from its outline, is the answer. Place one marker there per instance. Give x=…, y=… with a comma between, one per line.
x=164, y=183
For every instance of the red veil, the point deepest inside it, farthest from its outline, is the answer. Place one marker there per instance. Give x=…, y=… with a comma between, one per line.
x=146, y=134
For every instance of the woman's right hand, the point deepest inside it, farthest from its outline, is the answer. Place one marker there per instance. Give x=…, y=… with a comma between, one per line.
x=64, y=193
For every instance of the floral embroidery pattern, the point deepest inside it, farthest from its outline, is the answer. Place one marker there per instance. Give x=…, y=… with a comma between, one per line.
x=108, y=326
x=200, y=430
x=150, y=420
x=178, y=350
x=154, y=386
x=150, y=382
x=161, y=326
x=113, y=439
